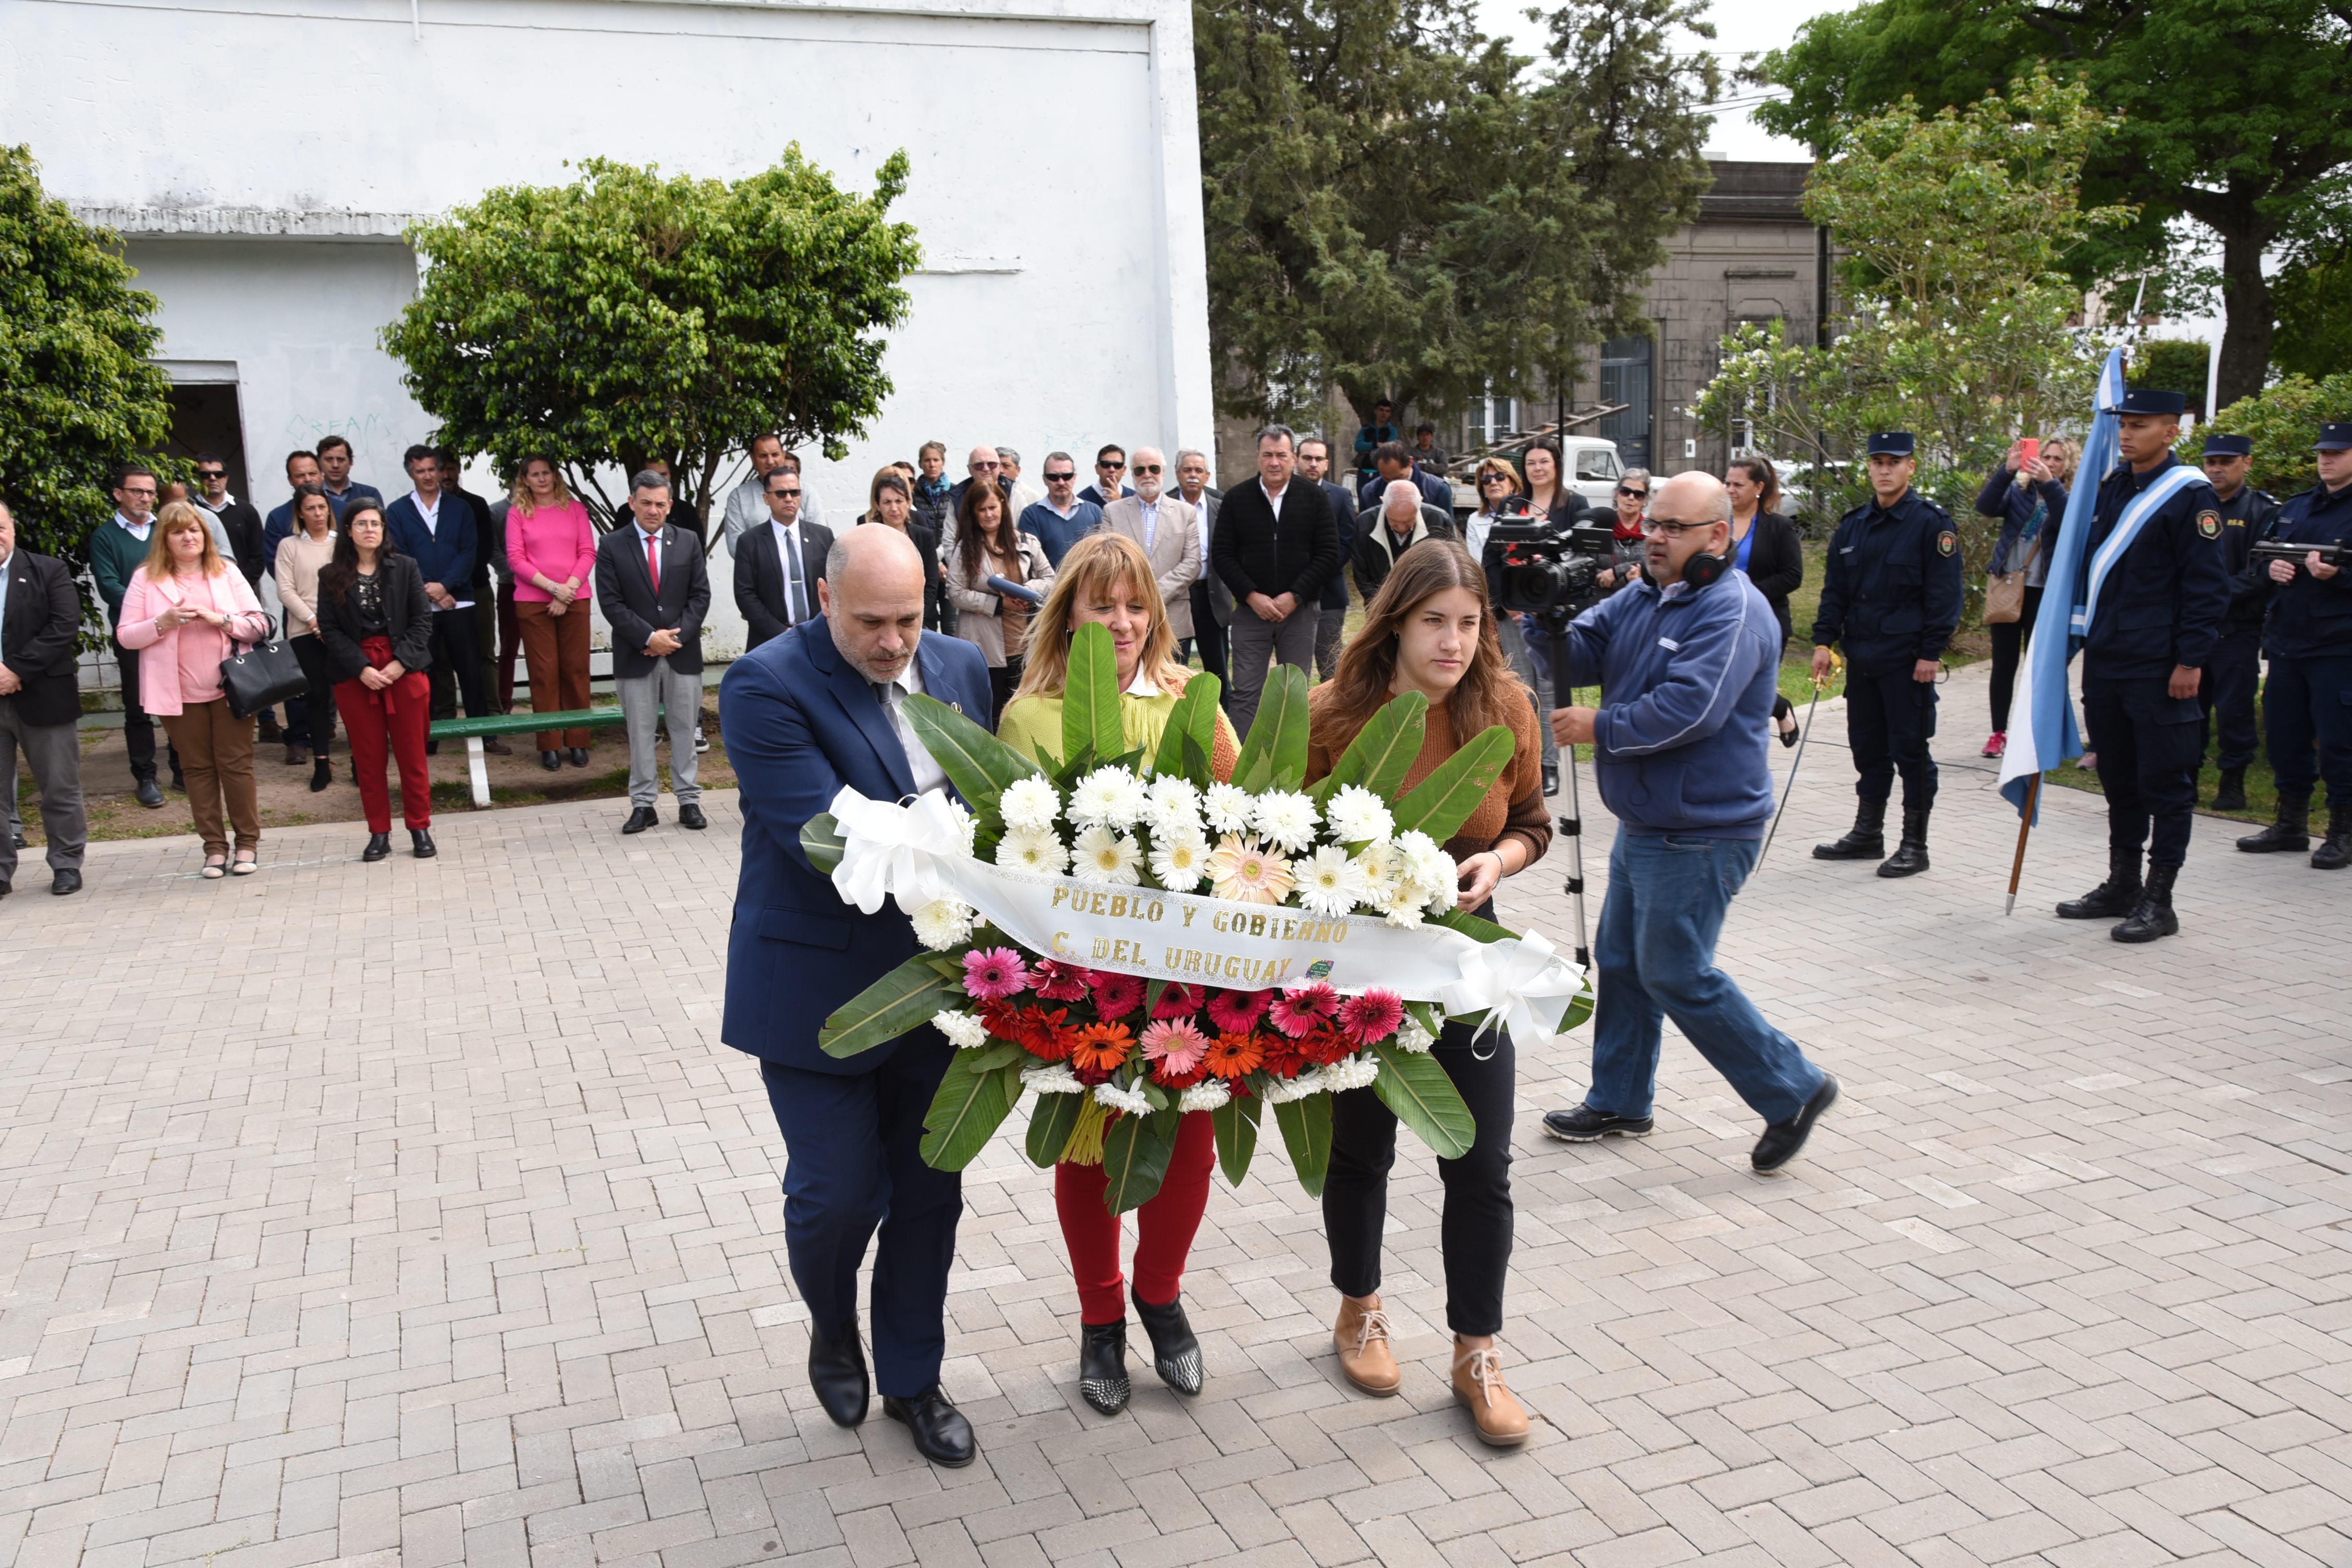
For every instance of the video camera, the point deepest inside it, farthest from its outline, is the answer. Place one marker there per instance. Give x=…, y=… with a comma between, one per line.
x=2336, y=555
x=1549, y=570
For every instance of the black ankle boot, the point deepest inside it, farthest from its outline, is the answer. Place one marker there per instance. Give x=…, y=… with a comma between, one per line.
x=1867, y=841
x=2154, y=917
x=2230, y=795
x=379, y=845
x=2291, y=831
x=2336, y=852
x=2112, y=899
x=420, y=839
x=1175, y=1353
x=1102, y=1365
x=321, y=775
x=1910, y=856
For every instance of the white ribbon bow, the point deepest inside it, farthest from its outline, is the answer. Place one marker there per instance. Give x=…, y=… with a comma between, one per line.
x=891, y=850
x=1524, y=986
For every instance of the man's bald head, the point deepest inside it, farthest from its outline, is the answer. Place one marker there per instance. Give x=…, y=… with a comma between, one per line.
x=1694, y=494
x=1690, y=513
x=872, y=596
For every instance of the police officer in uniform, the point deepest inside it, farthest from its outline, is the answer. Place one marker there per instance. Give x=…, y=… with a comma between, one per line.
x=1892, y=597
x=2307, y=706
x=2234, y=673
x=2156, y=612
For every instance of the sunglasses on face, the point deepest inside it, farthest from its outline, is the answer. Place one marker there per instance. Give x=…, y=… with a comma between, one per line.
x=794, y=492
x=1147, y=468
x=1107, y=464
x=1061, y=478
x=212, y=473
x=1630, y=491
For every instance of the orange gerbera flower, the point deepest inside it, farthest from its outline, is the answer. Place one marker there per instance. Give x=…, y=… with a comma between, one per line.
x=1101, y=1046
x=1234, y=1056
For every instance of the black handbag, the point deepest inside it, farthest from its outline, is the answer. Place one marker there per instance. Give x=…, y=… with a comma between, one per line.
x=262, y=675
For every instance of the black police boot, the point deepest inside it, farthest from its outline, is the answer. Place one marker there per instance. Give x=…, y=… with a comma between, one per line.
x=1867, y=841
x=1102, y=1365
x=1910, y=856
x=1175, y=1353
x=2335, y=852
x=2115, y=897
x=2154, y=917
x=2291, y=831
x=2231, y=793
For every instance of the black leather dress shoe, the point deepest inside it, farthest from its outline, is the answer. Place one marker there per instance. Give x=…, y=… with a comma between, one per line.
x=379, y=846
x=551, y=761
x=1102, y=1366
x=1175, y=1352
x=65, y=880
x=941, y=1434
x=1782, y=1140
x=640, y=819
x=150, y=794
x=836, y=1370
x=691, y=816
x=4, y=887
x=420, y=839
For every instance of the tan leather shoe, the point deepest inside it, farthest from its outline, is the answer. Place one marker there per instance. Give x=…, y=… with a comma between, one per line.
x=1478, y=1383
x=1362, y=1338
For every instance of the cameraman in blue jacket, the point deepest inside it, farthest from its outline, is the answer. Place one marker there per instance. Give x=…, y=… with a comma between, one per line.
x=1688, y=660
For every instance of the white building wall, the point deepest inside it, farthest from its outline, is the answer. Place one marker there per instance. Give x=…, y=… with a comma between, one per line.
x=1056, y=186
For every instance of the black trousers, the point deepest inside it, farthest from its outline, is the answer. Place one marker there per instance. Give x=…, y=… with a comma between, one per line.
x=310, y=718
x=1889, y=719
x=1002, y=680
x=1211, y=636
x=2147, y=763
x=2308, y=708
x=1474, y=1234
x=2233, y=677
x=2009, y=641
x=458, y=650
x=138, y=727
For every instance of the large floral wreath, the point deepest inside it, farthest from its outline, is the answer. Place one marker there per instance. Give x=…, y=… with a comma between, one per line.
x=1072, y=954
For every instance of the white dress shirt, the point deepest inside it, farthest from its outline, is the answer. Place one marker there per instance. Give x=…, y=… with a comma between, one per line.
x=1274, y=498
x=788, y=554
x=1150, y=522
x=928, y=774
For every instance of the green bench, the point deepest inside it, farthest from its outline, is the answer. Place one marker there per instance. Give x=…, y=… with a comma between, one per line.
x=471, y=731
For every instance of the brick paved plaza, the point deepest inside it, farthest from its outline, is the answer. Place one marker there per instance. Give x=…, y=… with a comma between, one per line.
x=414, y=1213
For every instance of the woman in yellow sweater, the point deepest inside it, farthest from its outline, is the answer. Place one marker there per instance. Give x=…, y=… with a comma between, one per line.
x=1106, y=577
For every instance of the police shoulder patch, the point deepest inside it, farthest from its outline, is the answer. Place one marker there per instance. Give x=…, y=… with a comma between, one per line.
x=2209, y=523
x=1947, y=542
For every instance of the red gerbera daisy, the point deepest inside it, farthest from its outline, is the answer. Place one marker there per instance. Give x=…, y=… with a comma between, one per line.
x=1236, y=1012
x=1048, y=1036
x=1178, y=1000
x=1058, y=982
x=1330, y=1043
x=1232, y=1055
x=1100, y=1048
x=1374, y=1015
x=1116, y=995
x=1283, y=1058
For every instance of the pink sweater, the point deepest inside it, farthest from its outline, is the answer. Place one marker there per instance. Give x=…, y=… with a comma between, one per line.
x=184, y=670
x=558, y=544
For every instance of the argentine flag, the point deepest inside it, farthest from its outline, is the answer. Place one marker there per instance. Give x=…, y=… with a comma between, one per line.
x=2042, y=732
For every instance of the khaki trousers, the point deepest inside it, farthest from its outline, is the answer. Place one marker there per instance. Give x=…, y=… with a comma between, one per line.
x=215, y=751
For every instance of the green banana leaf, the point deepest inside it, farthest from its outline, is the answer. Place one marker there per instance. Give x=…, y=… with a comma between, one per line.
x=1382, y=752
x=1090, y=695
x=887, y=1009
x=965, y=1113
x=1194, y=718
x=978, y=763
x=1442, y=802
x=1135, y=1159
x=1413, y=1084
x=1306, y=1133
x=1278, y=733
x=822, y=842
x=1050, y=1125
x=1235, y=1123
x=1474, y=928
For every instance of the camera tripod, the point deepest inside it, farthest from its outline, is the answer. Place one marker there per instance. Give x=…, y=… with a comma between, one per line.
x=1554, y=623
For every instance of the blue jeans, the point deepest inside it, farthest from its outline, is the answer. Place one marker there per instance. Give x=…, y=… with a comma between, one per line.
x=1654, y=958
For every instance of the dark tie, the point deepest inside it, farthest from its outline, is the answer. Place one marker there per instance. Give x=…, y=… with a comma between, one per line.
x=793, y=571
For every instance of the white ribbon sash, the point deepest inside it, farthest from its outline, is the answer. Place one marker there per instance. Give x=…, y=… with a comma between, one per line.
x=917, y=854
x=2134, y=516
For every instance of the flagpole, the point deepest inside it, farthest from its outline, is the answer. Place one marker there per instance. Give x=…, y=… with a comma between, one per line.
x=2025, y=826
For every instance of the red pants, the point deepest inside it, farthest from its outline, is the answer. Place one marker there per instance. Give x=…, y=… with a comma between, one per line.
x=397, y=716
x=1164, y=1226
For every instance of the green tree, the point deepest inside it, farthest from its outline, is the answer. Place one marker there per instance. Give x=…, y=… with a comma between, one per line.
x=1398, y=205
x=78, y=396
x=2232, y=114
x=2172, y=364
x=626, y=316
x=2314, y=316
x=2283, y=420
x=1958, y=224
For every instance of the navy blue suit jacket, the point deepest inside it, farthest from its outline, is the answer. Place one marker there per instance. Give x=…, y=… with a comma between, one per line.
x=446, y=554
x=800, y=724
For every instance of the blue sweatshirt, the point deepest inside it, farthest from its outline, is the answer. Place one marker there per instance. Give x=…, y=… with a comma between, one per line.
x=1688, y=683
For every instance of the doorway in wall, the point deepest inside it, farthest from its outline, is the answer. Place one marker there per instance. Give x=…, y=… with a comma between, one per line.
x=205, y=417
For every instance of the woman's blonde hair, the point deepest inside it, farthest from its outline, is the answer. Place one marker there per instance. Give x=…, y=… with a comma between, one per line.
x=2061, y=455
x=1093, y=569
x=1496, y=466
x=519, y=494
x=175, y=516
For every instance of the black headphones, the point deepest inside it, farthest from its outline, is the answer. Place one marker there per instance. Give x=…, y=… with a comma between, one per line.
x=1702, y=569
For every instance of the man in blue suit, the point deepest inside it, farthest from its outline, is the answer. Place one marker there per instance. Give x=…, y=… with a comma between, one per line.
x=804, y=714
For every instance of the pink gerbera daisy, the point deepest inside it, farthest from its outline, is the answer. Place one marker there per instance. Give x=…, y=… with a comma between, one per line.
x=1116, y=995
x=1236, y=1012
x=1180, y=1001
x=1374, y=1015
x=1058, y=982
x=1174, y=1048
x=994, y=974
x=1292, y=1013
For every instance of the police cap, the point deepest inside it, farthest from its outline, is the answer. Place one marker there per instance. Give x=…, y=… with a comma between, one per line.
x=1892, y=443
x=2151, y=399
x=2333, y=437
x=2228, y=446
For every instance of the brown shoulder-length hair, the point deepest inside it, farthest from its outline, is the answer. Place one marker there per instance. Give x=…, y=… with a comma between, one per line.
x=888, y=479
x=1767, y=480
x=969, y=545
x=1093, y=570
x=176, y=517
x=1485, y=694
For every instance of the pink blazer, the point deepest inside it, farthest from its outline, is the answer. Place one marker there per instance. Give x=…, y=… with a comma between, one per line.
x=158, y=677
x=557, y=544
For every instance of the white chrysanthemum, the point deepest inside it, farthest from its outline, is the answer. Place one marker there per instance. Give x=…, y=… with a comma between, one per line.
x=1051, y=1078
x=1285, y=819
x=1308, y=1082
x=1350, y=1072
x=1381, y=868
x=964, y=1030
x=1411, y=1036
x=1330, y=884
x=1210, y=1095
x=1133, y=1101
x=1107, y=856
x=1174, y=802
x=1404, y=910
x=1425, y=860
x=1438, y=902
x=1357, y=815
x=942, y=924
x=1227, y=807
x=1180, y=863
x=1030, y=804
x=1111, y=797
x=1037, y=849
